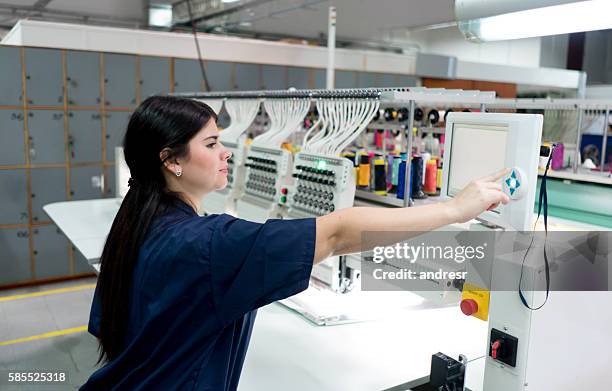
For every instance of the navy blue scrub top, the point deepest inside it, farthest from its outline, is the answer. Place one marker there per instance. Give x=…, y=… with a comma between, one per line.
x=196, y=286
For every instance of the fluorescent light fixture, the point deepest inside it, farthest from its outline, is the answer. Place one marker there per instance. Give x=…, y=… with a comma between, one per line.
x=229, y=1
x=160, y=15
x=558, y=19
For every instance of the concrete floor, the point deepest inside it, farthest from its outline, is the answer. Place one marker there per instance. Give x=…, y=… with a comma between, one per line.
x=76, y=352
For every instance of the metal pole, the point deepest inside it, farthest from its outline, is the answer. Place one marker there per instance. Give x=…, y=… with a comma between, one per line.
x=331, y=47
x=604, y=140
x=578, y=137
x=407, y=172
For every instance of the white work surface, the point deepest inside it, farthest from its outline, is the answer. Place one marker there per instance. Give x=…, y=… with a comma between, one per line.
x=85, y=223
x=289, y=353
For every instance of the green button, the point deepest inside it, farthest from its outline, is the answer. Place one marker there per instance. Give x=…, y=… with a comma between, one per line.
x=284, y=199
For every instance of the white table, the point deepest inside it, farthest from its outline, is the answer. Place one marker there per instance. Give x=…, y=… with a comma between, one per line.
x=85, y=223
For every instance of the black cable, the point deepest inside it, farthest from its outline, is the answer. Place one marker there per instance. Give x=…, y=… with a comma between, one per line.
x=195, y=38
x=542, y=204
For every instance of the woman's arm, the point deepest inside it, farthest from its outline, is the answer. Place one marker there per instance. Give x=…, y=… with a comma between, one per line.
x=340, y=232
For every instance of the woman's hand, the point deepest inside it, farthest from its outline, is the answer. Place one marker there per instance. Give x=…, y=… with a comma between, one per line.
x=478, y=196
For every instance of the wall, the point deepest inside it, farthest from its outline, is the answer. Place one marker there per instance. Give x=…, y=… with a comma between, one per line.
x=598, y=57
x=553, y=51
x=62, y=112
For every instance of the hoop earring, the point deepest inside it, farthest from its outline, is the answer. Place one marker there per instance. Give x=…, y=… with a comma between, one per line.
x=179, y=173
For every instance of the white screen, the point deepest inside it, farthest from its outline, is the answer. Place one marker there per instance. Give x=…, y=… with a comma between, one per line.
x=476, y=151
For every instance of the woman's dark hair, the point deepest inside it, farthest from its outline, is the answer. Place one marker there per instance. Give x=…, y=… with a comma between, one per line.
x=159, y=123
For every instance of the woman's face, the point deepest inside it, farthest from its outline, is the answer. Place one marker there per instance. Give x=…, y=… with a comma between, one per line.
x=205, y=168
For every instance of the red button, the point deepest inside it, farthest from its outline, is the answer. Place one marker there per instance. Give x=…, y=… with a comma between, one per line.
x=469, y=306
x=284, y=190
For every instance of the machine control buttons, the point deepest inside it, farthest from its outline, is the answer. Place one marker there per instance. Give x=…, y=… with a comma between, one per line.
x=514, y=184
x=469, y=306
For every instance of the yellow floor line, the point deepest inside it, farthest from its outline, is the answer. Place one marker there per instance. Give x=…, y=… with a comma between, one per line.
x=49, y=292
x=45, y=335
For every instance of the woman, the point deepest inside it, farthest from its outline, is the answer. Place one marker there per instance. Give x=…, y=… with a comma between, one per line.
x=175, y=302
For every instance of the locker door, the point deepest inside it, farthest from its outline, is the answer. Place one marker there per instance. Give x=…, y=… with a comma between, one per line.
x=10, y=76
x=406, y=81
x=188, y=76
x=83, y=78
x=247, y=77
x=13, y=197
x=47, y=145
x=154, y=76
x=298, y=78
x=50, y=252
x=80, y=263
x=219, y=75
x=85, y=136
x=48, y=185
x=274, y=77
x=44, y=85
x=366, y=80
x=12, y=150
x=109, y=182
x=319, y=79
x=119, y=80
x=346, y=79
x=85, y=182
x=15, y=259
x=116, y=125
x=386, y=80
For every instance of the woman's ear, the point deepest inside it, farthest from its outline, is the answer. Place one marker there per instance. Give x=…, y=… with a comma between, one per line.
x=169, y=162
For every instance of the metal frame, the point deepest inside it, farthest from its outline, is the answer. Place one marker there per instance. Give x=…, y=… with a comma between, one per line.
x=387, y=96
x=565, y=104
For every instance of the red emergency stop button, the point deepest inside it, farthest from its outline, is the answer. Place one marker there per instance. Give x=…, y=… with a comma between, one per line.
x=469, y=306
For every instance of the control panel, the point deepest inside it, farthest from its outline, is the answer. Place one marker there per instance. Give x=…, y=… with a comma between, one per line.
x=321, y=185
x=266, y=170
x=265, y=184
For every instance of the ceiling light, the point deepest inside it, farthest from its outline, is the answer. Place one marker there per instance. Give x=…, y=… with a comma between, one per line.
x=558, y=19
x=160, y=15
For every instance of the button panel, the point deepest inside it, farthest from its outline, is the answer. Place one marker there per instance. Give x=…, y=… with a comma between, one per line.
x=315, y=189
x=318, y=181
x=262, y=177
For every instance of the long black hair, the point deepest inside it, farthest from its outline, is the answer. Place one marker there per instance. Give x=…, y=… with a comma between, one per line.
x=159, y=123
